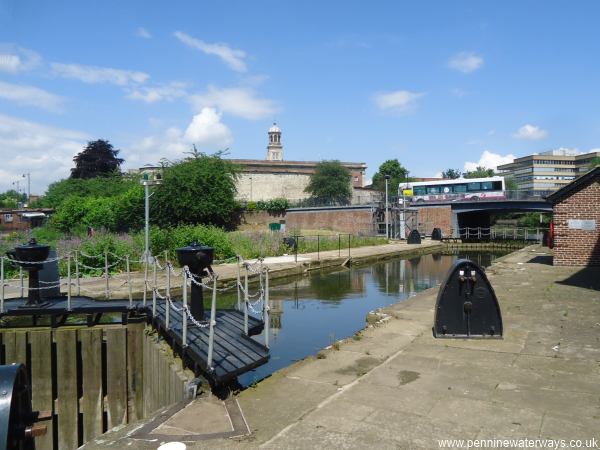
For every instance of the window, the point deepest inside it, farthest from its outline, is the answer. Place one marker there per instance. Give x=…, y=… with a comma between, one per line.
x=420, y=190
x=460, y=188
x=497, y=185
x=433, y=190
x=474, y=186
x=486, y=186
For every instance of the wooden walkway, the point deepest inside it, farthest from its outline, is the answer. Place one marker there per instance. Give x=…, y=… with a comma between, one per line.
x=234, y=353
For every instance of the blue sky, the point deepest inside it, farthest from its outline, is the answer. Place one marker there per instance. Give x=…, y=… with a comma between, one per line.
x=435, y=84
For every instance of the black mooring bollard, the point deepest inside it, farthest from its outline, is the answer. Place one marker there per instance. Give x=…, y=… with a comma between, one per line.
x=198, y=258
x=466, y=305
x=436, y=234
x=414, y=237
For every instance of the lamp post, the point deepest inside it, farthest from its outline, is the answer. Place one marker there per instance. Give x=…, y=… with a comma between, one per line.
x=387, y=220
x=28, y=176
x=148, y=179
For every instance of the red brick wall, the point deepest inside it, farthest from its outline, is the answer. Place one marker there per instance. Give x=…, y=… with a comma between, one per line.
x=261, y=217
x=355, y=221
x=578, y=247
x=435, y=217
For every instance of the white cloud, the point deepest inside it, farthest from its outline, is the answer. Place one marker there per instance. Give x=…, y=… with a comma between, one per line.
x=45, y=152
x=396, y=100
x=152, y=94
x=489, y=160
x=30, y=96
x=206, y=131
x=234, y=58
x=241, y=102
x=94, y=74
x=465, y=62
x=531, y=132
x=14, y=59
x=143, y=33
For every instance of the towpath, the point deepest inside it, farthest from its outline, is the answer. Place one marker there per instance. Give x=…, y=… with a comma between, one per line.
x=395, y=386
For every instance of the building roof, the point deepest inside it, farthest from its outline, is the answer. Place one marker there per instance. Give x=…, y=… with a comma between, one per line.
x=575, y=185
x=274, y=128
x=263, y=165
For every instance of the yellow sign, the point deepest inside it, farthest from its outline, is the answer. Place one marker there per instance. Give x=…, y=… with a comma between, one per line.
x=407, y=192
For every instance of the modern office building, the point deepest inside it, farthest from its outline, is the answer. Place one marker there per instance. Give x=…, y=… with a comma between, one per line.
x=547, y=171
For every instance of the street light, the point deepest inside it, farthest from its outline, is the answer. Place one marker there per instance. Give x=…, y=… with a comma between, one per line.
x=387, y=221
x=28, y=176
x=150, y=177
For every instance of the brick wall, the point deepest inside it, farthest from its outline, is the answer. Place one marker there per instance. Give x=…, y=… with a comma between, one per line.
x=435, y=217
x=578, y=247
x=261, y=217
x=343, y=220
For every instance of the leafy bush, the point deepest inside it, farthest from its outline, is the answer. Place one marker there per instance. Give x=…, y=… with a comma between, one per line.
x=274, y=206
x=172, y=238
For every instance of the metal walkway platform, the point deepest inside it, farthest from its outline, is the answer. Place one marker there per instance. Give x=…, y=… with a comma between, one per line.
x=234, y=353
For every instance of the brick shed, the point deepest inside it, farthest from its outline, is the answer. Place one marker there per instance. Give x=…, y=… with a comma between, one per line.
x=577, y=221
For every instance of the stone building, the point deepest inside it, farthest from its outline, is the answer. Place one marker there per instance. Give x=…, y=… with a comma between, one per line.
x=276, y=178
x=576, y=219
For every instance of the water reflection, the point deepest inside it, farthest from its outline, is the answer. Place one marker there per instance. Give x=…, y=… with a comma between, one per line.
x=311, y=312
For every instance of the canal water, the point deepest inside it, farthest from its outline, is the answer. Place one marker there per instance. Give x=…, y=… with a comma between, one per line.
x=311, y=312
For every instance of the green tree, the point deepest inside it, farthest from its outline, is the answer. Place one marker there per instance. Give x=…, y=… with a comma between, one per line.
x=197, y=190
x=98, y=158
x=510, y=184
x=451, y=174
x=398, y=174
x=480, y=172
x=109, y=186
x=594, y=162
x=330, y=182
x=11, y=198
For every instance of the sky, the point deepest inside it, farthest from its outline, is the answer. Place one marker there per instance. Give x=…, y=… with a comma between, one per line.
x=434, y=84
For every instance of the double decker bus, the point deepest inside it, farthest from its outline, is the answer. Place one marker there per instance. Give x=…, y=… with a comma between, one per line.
x=472, y=189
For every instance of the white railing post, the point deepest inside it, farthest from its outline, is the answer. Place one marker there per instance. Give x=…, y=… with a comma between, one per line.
x=68, y=282
x=77, y=281
x=266, y=308
x=130, y=293
x=168, y=295
x=154, y=288
x=22, y=284
x=246, y=301
x=2, y=284
x=211, y=331
x=239, y=300
x=184, y=310
x=107, y=288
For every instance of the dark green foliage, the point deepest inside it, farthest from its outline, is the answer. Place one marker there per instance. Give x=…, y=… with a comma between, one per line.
x=480, y=172
x=111, y=186
x=330, y=182
x=594, y=162
x=451, y=174
x=198, y=190
x=398, y=174
x=11, y=199
x=98, y=158
x=121, y=212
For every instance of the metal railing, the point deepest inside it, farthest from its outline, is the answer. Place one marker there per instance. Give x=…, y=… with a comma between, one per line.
x=150, y=284
x=495, y=234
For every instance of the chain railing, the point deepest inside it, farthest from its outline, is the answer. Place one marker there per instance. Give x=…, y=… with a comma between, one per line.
x=257, y=303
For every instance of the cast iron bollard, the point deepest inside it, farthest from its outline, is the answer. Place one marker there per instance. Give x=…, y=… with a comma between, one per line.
x=466, y=305
x=414, y=237
x=198, y=258
x=17, y=428
x=436, y=234
x=31, y=257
